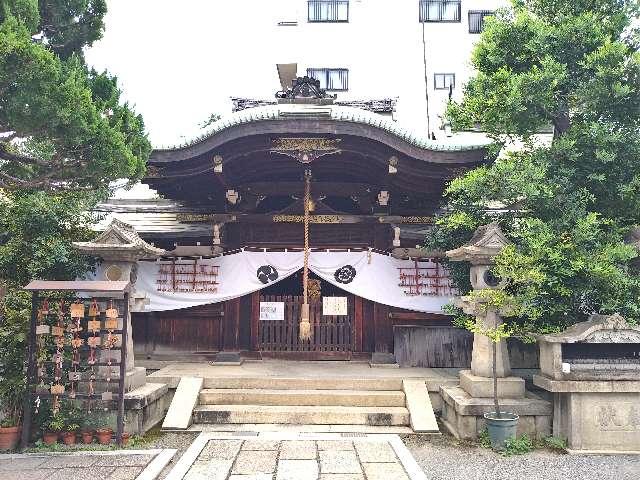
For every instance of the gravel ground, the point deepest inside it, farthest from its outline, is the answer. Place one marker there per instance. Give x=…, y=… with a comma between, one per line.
x=443, y=458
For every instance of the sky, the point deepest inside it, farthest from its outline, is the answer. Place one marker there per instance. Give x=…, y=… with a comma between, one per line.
x=175, y=60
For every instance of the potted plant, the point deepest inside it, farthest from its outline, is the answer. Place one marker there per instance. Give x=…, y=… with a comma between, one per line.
x=104, y=434
x=12, y=385
x=88, y=429
x=500, y=425
x=70, y=434
x=10, y=431
x=53, y=428
x=73, y=418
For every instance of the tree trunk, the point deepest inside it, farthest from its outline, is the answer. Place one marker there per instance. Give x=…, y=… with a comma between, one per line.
x=495, y=380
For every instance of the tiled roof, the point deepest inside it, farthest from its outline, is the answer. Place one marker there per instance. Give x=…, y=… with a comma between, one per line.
x=338, y=113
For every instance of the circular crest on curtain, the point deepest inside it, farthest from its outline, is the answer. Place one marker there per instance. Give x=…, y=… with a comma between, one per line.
x=267, y=274
x=345, y=274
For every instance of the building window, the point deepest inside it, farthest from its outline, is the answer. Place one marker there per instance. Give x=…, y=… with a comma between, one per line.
x=440, y=10
x=476, y=19
x=328, y=10
x=331, y=78
x=444, y=81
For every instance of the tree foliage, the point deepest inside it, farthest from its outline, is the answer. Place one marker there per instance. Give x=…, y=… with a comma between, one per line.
x=62, y=126
x=567, y=206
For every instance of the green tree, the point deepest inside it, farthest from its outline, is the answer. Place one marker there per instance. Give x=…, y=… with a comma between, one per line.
x=65, y=135
x=572, y=65
x=62, y=126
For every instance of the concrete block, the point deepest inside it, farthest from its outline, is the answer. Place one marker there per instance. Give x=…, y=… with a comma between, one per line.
x=482, y=387
x=181, y=408
x=227, y=358
x=423, y=420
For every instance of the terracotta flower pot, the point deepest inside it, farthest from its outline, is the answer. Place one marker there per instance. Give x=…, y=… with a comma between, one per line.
x=9, y=437
x=87, y=437
x=69, y=438
x=49, y=438
x=104, y=435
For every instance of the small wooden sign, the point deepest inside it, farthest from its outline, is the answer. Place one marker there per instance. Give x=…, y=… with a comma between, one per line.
x=75, y=376
x=76, y=342
x=56, y=358
x=111, y=324
x=93, y=326
x=94, y=342
x=57, y=331
x=42, y=329
x=60, y=342
x=111, y=313
x=77, y=310
x=57, y=389
x=94, y=310
x=106, y=396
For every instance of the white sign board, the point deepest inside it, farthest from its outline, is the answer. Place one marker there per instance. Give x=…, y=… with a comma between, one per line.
x=271, y=310
x=334, y=305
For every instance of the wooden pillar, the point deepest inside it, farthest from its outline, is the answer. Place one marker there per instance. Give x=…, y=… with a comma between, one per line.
x=255, y=320
x=358, y=324
x=231, y=324
x=383, y=329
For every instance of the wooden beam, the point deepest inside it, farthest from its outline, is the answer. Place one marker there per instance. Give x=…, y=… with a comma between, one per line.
x=319, y=188
x=327, y=219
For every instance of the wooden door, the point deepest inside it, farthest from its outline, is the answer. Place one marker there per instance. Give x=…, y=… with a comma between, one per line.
x=332, y=337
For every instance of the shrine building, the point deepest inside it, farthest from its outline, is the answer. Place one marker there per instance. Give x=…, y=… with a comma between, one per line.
x=292, y=230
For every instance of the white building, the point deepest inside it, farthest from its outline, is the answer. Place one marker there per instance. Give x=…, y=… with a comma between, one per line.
x=179, y=64
x=357, y=51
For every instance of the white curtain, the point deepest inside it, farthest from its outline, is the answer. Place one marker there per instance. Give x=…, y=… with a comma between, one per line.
x=367, y=274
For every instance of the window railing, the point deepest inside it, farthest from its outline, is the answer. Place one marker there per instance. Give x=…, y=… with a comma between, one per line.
x=328, y=10
x=440, y=10
x=476, y=20
x=336, y=79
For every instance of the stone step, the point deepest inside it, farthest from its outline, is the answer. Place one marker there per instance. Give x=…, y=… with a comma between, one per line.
x=344, y=430
x=301, y=415
x=261, y=396
x=281, y=383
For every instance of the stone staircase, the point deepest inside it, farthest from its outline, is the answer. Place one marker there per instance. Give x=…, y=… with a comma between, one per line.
x=302, y=401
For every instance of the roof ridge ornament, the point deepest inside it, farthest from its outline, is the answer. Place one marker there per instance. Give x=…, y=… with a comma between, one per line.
x=304, y=87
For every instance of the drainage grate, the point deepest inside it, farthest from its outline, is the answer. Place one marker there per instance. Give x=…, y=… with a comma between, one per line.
x=353, y=434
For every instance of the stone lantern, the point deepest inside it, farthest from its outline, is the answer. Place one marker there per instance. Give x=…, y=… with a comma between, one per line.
x=120, y=247
x=464, y=405
x=487, y=242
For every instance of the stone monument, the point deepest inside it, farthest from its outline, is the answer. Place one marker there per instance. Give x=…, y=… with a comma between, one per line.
x=465, y=405
x=593, y=371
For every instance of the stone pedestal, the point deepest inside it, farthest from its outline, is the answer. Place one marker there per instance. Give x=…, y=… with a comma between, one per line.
x=596, y=401
x=482, y=355
x=482, y=387
x=462, y=414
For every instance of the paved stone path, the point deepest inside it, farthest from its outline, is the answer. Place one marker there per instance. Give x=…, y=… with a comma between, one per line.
x=282, y=456
x=94, y=465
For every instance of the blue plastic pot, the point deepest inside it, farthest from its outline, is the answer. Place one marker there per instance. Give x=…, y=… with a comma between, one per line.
x=500, y=429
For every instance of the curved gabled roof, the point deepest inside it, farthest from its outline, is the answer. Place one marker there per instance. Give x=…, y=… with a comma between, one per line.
x=339, y=116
